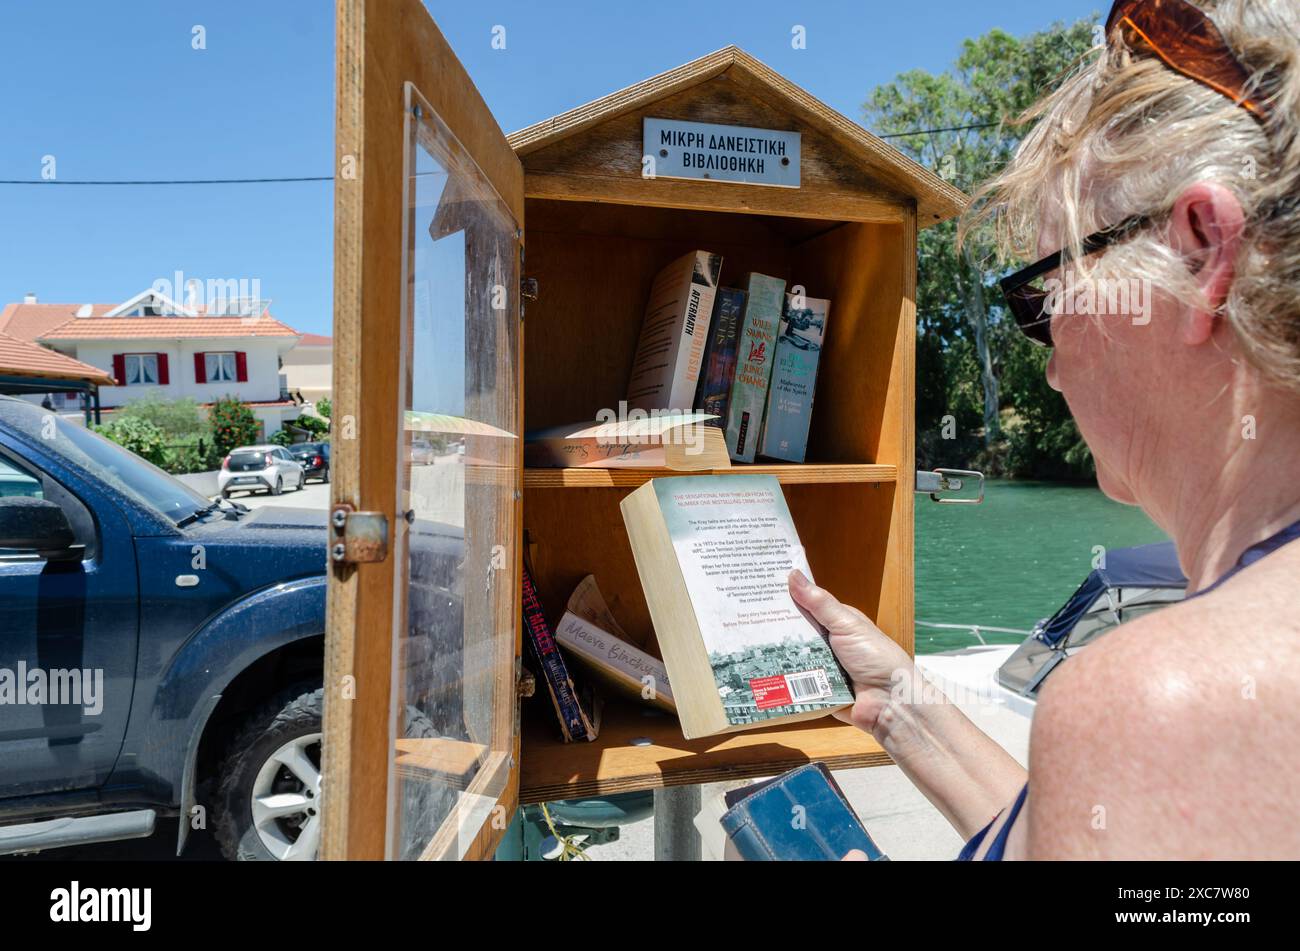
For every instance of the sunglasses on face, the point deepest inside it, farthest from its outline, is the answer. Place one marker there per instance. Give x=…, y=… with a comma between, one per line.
x=1186, y=41
x=1029, y=292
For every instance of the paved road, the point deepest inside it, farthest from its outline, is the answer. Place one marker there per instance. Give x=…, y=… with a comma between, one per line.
x=314, y=495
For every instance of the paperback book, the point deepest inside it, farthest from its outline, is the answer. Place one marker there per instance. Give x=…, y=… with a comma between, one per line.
x=714, y=555
x=794, y=379
x=670, y=352
x=578, y=721
x=763, y=306
x=681, y=441
x=720, y=356
x=592, y=636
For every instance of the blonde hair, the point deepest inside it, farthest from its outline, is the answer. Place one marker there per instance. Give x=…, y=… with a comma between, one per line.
x=1125, y=134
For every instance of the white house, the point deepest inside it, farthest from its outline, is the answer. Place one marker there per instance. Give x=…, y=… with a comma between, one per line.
x=308, y=369
x=151, y=345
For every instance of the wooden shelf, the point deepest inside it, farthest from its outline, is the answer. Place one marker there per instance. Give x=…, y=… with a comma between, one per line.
x=551, y=770
x=787, y=474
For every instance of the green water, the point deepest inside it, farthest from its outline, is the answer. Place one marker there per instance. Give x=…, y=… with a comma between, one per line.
x=1014, y=559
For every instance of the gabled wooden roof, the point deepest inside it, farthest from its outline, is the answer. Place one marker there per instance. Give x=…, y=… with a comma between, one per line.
x=936, y=199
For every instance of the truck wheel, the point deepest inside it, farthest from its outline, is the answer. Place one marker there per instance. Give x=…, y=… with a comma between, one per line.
x=267, y=803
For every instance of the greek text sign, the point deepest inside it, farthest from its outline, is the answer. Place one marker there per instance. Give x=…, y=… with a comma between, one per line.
x=722, y=153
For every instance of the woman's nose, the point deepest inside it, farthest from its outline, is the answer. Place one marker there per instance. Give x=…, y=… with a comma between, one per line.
x=1051, y=372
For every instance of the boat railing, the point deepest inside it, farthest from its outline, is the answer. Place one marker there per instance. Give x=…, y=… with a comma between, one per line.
x=978, y=630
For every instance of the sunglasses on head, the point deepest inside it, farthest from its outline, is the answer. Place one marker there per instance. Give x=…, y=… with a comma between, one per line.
x=1188, y=42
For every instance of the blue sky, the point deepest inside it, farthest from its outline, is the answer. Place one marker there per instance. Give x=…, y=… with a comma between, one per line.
x=115, y=90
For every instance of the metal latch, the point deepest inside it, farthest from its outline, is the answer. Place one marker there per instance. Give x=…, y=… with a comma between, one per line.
x=938, y=481
x=359, y=537
x=529, y=288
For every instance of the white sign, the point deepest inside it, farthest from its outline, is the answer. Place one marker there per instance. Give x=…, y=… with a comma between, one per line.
x=722, y=153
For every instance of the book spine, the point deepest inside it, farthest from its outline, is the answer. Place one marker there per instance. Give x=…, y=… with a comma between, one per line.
x=574, y=723
x=720, y=358
x=674, y=331
x=753, y=366
x=794, y=380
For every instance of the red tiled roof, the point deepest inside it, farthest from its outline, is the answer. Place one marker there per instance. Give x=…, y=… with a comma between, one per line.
x=166, y=328
x=34, y=322
x=316, y=340
x=30, y=321
x=20, y=358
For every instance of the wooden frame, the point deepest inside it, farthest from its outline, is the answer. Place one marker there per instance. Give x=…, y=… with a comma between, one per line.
x=381, y=46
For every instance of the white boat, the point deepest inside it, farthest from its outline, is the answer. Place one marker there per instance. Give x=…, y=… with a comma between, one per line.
x=997, y=685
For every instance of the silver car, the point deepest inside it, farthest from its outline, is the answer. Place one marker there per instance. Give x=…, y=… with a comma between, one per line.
x=259, y=468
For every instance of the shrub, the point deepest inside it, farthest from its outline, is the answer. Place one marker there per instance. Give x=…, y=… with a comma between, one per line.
x=313, y=425
x=233, y=424
x=140, y=436
x=178, y=419
x=282, y=437
x=324, y=407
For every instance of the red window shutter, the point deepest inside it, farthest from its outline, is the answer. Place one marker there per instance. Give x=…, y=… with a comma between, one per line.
x=119, y=368
x=241, y=366
x=164, y=376
x=200, y=368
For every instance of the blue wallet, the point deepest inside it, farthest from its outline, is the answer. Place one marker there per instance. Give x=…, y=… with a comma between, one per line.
x=799, y=816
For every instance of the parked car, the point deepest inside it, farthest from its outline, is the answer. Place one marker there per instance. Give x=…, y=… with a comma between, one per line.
x=314, y=457
x=260, y=469
x=198, y=627
x=422, y=452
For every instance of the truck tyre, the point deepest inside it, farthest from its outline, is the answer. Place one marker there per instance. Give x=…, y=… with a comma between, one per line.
x=273, y=760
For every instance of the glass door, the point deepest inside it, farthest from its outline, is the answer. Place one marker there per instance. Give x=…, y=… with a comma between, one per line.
x=422, y=643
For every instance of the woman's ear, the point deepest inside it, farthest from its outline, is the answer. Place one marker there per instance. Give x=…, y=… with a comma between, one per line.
x=1206, y=227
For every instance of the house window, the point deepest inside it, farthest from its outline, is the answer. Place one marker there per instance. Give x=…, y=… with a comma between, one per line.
x=141, y=369
x=220, y=367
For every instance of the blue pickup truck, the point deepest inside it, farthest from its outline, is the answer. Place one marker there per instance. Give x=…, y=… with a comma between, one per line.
x=161, y=654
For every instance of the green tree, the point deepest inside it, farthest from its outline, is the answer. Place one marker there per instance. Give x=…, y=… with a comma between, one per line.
x=324, y=406
x=971, y=108
x=233, y=424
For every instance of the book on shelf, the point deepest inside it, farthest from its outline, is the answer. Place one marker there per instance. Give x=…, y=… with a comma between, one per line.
x=719, y=372
x=714, y=555
x=794, y=379
x=674, y=331
x=591, y=635
x=754, y=823
x=681, y=441
x=763, y=306
x=578, y=711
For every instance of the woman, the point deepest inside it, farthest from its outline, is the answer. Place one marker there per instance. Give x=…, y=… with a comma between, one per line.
x=1176, y=735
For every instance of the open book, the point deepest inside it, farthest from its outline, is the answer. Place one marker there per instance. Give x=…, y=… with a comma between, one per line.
x=714, y=554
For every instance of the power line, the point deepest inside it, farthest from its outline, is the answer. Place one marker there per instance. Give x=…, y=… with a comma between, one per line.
x=955, y=128
x=330, y=178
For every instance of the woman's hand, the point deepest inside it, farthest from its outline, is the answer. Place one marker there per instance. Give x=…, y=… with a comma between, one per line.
x=874, y=662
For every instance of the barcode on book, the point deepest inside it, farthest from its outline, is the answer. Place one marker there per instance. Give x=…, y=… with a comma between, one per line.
x=812, y=685
x=784, y=690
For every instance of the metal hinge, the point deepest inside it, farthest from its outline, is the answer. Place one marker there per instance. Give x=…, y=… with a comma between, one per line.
x=359, y=537
x=528, y=290
x=939, y=481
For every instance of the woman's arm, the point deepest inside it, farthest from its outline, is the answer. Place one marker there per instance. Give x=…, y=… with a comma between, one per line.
x=967, y=776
